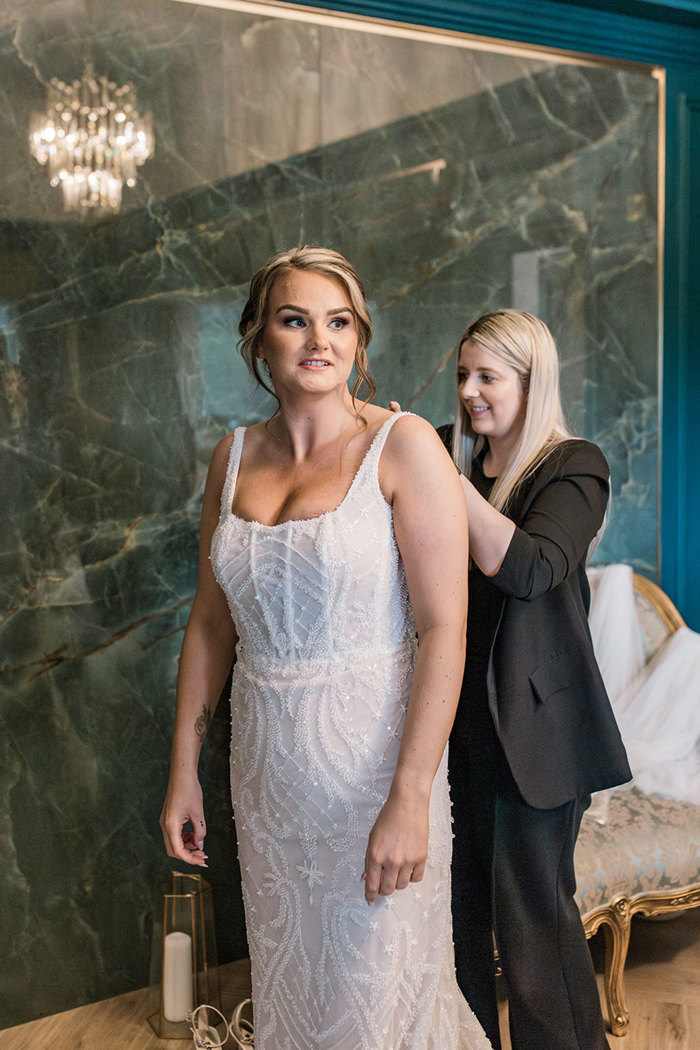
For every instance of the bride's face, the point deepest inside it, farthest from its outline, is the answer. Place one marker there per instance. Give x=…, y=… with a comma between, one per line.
x=310, y=335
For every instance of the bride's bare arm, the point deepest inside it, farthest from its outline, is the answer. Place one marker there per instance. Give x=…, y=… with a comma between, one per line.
x=205, y=660
x=430, y=523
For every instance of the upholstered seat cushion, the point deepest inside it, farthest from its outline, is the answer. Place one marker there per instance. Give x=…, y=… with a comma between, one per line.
x=648, y=844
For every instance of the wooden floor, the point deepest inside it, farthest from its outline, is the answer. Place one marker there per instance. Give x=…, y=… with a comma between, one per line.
x=662, y=986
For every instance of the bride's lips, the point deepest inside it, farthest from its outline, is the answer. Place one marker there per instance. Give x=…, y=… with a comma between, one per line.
x=314, y=362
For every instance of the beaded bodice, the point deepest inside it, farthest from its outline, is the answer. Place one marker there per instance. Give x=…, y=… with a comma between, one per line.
x=325, y=588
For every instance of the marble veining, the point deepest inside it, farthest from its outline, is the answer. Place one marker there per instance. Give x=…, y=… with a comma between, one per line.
x=475, y=181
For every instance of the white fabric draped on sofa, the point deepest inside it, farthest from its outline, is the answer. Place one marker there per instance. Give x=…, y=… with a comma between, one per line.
x=656, y=703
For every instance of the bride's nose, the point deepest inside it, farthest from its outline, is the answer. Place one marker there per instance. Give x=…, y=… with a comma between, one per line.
x=317, y=336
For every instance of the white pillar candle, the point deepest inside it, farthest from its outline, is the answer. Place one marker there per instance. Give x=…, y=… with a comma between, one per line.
x=177, y=976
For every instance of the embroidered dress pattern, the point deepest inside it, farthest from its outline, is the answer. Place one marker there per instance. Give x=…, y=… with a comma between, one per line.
x=319, y=695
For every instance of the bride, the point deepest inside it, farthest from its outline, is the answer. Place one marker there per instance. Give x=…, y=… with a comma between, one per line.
x=333, y=560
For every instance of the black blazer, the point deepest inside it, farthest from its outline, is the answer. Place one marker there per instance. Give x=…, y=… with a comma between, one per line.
x=549, y=705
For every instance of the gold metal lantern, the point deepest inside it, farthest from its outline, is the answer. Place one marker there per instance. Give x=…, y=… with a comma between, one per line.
x=184, y=970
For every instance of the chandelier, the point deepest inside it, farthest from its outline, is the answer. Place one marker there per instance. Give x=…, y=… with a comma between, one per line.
x=92, y=140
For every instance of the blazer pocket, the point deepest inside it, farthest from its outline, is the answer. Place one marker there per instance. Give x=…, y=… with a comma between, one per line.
x=551, y=678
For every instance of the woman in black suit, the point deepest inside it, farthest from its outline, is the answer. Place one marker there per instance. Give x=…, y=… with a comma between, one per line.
x=534, y=733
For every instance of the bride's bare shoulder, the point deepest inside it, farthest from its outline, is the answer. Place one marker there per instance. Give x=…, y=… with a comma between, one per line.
x=373, y=416
x=414, y=453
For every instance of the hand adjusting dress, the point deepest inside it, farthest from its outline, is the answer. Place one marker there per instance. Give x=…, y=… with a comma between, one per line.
x=323, y=673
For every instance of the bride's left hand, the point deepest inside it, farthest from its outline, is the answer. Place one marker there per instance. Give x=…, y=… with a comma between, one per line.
x=397, y=848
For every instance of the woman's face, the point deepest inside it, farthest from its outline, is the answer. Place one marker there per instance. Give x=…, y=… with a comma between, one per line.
x=310, y=335
x=491, y=392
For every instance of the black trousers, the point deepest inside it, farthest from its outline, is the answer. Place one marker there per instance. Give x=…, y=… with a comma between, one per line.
x=513, y=875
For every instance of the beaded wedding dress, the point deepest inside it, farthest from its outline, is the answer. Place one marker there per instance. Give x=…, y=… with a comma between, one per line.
x=320, y=688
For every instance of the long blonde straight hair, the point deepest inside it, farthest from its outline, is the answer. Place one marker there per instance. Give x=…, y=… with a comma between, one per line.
x=526, y=344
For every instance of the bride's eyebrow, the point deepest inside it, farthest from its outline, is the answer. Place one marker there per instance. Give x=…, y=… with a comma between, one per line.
x=301, y=310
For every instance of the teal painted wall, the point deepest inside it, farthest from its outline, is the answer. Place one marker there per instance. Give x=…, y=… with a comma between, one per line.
x=680, y=491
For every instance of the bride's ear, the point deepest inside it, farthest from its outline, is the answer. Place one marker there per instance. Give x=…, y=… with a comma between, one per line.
x=257, y=352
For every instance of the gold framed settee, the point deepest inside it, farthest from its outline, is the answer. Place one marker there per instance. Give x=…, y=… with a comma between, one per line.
x=645, y=858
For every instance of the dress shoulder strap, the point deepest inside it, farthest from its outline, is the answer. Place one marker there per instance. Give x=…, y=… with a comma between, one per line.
x=234, y=461
x=375, y=450
x=370, y=464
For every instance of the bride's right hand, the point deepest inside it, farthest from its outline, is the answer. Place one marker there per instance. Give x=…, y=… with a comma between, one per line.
x=184, y=805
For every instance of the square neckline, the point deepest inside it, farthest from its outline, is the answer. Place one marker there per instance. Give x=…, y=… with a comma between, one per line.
x=316, y=517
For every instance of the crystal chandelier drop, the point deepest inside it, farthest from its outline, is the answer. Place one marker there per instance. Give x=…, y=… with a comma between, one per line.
x=92, y=139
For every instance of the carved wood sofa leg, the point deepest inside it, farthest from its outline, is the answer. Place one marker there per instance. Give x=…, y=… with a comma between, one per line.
x=616, y=927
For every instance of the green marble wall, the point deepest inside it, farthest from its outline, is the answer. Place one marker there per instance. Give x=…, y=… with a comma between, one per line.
x=456, y=181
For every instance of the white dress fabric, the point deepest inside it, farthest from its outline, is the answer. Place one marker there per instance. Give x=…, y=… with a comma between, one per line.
x=617, y=638
x=324, y=667
x=655, y=703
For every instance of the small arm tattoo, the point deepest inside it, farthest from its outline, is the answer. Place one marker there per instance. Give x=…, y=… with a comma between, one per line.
x=202, y=723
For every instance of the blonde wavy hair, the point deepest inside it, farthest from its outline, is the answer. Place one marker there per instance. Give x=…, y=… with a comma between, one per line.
x=329, y=263
x=525, y=343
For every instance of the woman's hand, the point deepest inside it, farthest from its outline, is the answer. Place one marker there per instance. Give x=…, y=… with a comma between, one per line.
x=398, y=845
x=430, y=524
x=207, y=653
x=394, y=406
x=183, y=805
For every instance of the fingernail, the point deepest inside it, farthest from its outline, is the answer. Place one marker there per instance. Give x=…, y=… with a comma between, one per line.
x=199, y=843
